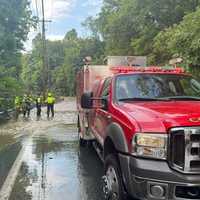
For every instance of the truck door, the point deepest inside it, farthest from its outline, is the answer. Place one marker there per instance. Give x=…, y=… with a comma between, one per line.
x=102, y=117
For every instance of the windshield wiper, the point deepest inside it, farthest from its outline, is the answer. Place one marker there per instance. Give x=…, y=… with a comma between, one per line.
x=183, y=98
x=143, y=99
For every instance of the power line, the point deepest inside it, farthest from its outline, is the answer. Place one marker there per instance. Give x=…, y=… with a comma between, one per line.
x=37, y=13
x=36, y=8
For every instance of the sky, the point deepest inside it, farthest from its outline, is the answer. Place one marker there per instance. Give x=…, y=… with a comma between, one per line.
x=64, y=15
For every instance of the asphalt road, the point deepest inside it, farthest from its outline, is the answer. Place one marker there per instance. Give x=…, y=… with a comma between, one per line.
x=42, y=159
x=54, y=167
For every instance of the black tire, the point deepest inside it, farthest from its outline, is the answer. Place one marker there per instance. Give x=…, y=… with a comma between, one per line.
x=82, y=142
x=111, y=163
x=78, y=125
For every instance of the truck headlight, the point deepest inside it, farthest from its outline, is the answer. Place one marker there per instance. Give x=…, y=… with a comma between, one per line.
x=150, y=145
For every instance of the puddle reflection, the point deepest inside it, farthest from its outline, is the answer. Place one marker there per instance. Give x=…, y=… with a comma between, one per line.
x=55, y=168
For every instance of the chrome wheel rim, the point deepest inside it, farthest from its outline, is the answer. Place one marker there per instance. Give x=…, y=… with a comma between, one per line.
x=112, y=184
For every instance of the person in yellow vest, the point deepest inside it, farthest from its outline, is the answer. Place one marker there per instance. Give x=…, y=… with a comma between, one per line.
x=26, y=105
x=39, y=106
x=18, y=105
x=50, y=105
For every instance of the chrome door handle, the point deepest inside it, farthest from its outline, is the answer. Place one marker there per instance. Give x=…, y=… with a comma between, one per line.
x=109, y=117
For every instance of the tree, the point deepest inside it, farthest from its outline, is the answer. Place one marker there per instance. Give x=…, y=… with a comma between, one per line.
x=155, y=28
x=15, y=21
x=9, y=87
x=182, y=39
x=71, y=35
x=129, y=26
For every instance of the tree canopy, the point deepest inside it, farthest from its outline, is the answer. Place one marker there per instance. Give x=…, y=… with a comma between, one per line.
x=65, y=57
x=182, y=39
x=158, y=29
x=15, y=22
x=128, y=27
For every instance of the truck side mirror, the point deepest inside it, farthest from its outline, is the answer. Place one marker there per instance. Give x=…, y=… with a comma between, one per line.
x=86, y=100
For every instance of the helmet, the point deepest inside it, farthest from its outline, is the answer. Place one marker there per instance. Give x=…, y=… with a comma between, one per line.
x=49, y=94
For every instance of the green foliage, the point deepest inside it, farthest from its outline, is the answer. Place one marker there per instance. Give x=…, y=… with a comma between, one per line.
x=65, y=57
x=15, y=22
x=128, y=27
x=182, y=39
x=155, y=28
x=75, y=50
x=9, y=87
x=158, y=29
x=32, y=67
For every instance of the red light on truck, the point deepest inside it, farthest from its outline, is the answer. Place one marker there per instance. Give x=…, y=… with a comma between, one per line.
x=169, y=69
x=122, y=69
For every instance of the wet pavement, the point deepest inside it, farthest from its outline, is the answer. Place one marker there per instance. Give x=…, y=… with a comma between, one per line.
x=7, y=158
x=52, y=165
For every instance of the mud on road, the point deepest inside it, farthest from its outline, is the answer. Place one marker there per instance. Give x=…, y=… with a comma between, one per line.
x=50, y=163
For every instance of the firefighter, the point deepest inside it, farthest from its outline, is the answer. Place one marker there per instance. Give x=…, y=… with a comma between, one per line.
x=39, y=106
x=17, y=107
x=26, y=105
x=50, y=105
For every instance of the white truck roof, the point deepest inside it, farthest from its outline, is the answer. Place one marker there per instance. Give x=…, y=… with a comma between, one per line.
x=127, y=61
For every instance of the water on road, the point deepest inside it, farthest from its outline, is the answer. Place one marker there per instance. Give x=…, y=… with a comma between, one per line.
x=53, y=166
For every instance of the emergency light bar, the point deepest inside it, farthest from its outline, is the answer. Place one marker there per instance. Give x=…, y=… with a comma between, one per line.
x=170, y=69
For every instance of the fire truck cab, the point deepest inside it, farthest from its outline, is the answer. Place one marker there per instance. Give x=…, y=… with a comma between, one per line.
x=144, y=123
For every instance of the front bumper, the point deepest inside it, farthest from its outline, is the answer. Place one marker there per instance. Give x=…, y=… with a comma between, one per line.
x=140, y=175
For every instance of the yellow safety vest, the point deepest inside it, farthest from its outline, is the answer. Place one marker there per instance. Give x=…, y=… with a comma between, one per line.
x=17, y=102
x=39, y=100
x=50, y=100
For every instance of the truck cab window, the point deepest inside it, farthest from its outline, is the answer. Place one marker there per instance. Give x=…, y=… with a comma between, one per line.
x=105, y=93
x=156, y=86
x=106, y=86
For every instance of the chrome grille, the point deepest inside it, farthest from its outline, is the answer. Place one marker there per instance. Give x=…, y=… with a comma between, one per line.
x=185, y=149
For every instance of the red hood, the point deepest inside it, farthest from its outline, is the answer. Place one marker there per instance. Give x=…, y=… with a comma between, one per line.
x=160, y=116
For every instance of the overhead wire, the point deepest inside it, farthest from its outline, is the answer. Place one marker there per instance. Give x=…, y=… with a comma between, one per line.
x=37, y=14
x=35, y=30
x=50, y=18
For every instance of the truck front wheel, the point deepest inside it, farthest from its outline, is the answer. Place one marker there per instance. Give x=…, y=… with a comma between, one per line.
x=112, y=181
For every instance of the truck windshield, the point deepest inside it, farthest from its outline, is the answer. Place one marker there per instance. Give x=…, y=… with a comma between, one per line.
x=156, y=87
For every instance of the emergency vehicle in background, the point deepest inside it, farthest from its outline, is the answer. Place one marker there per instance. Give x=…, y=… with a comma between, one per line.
x=144, y=123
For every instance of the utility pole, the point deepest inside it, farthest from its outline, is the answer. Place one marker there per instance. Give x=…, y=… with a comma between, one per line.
x=45, y=61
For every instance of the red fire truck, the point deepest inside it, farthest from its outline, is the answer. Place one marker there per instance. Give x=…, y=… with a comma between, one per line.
x=144, y=123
